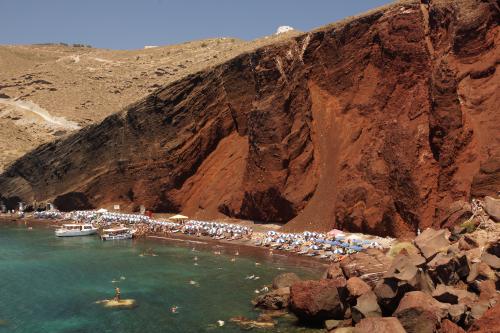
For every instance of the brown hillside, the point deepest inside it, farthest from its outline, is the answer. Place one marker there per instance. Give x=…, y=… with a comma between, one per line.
x=84, y=85
x=375, y=124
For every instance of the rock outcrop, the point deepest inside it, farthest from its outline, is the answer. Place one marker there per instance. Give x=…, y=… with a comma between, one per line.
x=416, y=295
x=316, y=301
x=374, y=124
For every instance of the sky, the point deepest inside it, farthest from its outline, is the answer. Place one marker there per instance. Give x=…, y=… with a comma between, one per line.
x=132, y=24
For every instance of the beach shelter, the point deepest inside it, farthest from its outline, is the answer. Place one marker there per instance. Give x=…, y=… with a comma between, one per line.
x=335, y=233
x=178, y=218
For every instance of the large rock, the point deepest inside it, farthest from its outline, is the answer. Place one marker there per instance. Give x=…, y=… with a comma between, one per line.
x=369, y=265
x=389, y=293
x=334, y=271
x=405, y=268
x=375, y=325
x=487, y=290
x=274, y=300
x=285, y=280
x=491, y=260
x=457, y=312
x=488, y=323
x=492, y=208
x=366, y=306
x=357, y=287
x=431, y=241
x=451, y=295
x=420, y=313
x=481, y=271
x=448, y=268
x=316, y=301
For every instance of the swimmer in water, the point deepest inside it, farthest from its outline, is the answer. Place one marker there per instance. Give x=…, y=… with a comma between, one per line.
x=174, y=309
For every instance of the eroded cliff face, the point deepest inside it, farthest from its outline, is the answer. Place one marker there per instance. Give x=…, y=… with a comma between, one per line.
x=372, y=125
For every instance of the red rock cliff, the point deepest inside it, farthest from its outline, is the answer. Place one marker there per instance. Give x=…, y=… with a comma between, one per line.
x=376, y=124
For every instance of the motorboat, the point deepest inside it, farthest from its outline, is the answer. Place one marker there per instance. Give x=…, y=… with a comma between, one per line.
x=74, y=230
x=117, y=233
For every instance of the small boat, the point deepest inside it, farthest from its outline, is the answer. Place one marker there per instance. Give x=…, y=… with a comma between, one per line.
x=117, y=233
x=74, y=230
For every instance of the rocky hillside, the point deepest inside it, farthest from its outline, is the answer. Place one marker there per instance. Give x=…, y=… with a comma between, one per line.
x=375, y=124
x=84, y=85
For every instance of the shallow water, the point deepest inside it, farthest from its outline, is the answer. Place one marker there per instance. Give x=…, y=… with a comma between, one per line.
x=50, y=284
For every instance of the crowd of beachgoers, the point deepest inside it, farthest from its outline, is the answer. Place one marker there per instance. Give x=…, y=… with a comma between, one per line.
x=333, y=245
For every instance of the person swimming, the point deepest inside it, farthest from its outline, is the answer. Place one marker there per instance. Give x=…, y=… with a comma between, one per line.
x=174, y=309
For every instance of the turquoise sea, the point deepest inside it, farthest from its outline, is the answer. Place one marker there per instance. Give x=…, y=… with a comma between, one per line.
x=50, y=284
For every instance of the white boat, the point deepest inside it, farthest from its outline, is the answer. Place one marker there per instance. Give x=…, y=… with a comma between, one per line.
x=117, y=233
x=74, y=230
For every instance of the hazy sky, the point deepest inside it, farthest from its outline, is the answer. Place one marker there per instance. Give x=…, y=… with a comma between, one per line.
x=128, y=24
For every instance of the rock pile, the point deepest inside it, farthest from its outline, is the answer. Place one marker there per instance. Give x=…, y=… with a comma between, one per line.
x=447, y=285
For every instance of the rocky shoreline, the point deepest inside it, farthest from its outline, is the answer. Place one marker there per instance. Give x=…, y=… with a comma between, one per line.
x=444, y=280
x=441, y=282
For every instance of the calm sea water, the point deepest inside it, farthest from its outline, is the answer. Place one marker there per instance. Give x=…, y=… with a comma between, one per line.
x=50, y=284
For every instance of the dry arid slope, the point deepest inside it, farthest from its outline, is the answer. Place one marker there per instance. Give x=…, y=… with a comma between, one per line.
x=375, y=124
x=78, y=86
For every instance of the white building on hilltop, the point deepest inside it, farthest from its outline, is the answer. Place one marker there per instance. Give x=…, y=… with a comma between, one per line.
x=284, y=28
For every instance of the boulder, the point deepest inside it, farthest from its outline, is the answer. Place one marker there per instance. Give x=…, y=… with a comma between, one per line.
x=420, y=313
x=285, y=280
x=405, y=268
x=366, y=306
x=489, y=322
x=481, y=271
x=448, y=326
x=457, y=312
x=424, y=282
x=431, y=241
x=487, y=290
x=492, y=208
x=402, y=269
x=313, y=302
x=274, y=300
x=389, y=292
x=357, y=287
x=379, y=324
x=491, y=260
x=334, y=271
x=448, y=268
x=451, y=295
x=369, y=265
